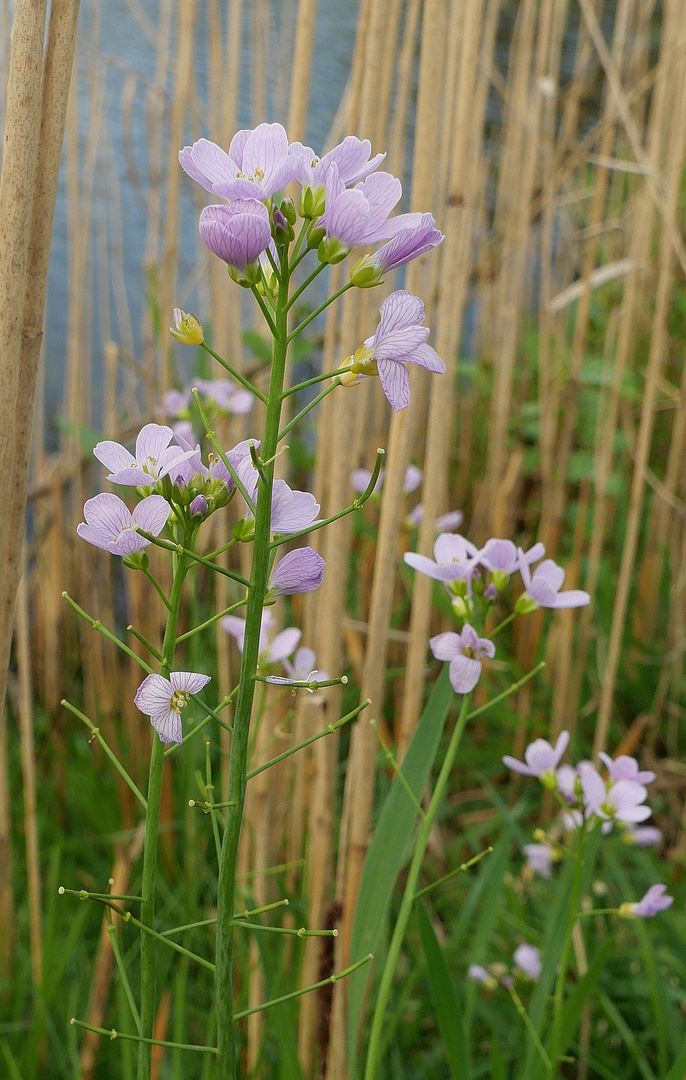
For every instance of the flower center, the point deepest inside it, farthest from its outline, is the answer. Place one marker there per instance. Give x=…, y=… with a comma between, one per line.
x=608, y=808
x=179, y=700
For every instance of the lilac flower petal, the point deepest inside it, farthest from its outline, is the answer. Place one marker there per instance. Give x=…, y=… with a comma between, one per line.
x=235, y=626
x=499, y=555
x=299, y=571
x=152, y=441
x=264, y=149
x=107, y=515
x=465, y=673
x=408, y=244
x=382, y=192
x=534, y=553
x=552, y=574
x=652, y=903
x=398, y=311
x=188, y=165
x=153, y=695
x=451, y=547
x=113, y=456
x=528, y=959
x=400, y=344
x=539, y=859
x=347, y=216
x=283, y=645
x=518, y=766
x=190, y=681
x=304, y=662
x=571, y=598
x=168, y=726
x=446, y=646
x=540, y=756
x=634, y=813
x=152, y=514
x=352, y=159
x=427, y=566
x=292, y=510
x=593, y=787
x=237, y=234
x=426, y=357
x=413, y=478
x=646, y=836
x=395, y=382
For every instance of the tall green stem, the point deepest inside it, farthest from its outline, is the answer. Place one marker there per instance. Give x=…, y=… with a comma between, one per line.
x=383, y=994
x=226, y=1033
x=152, y=820
x=558, y=997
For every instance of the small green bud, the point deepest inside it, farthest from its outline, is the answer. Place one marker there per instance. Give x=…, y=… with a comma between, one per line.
x=187, y=328
x=137, y=560
x=365, y=274
x=525, y=605
x=463, y=606
x=500, y=579
x=181, y=495
x=312, y=202
x=287, y=208
x=458, y=587
x=331, y=250
x=315, y=235
x=244, y=530
x=247, y=277
x=549, y=780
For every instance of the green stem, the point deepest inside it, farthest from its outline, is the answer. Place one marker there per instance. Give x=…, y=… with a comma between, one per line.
x=306, y=989
x=530, y=1027
x=112, y=1034
x=306, y=283
x=210, y=622
x=313, y=738
x=318, y=311
x=148, y=946
x=179, y=549
x=383, y=993
x=157, y=587
x=238, y=767
x=558, y=996
x=313, y=382
x=236, y=374
x=144, y=641
x=267, y=318
x=95, y=732
x=212, y=437
x=303, y=412
x=508, y=619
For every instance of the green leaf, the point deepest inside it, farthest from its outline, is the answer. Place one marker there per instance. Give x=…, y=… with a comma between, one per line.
x=448, y=1010
x=387, y=851
x=497, y=1062
x=678, y=1069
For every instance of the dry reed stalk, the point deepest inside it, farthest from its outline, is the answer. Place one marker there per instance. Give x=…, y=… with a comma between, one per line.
x=28, y=221
x=405, y=64
x=673, y=173
x=512, y=220
x=301, y=67
x=183, y=79
x=362, y=762
x=454, y=262
x=104, y=959
x=28, y=772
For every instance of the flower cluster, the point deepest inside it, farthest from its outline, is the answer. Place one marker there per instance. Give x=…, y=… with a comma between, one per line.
x=222, y=393
x=475, y=579
x=589, y=800
x=526, y=965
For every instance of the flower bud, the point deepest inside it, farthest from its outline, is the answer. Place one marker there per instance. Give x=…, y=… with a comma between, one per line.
x=312, y=201
x=525, y=605
x=187, y=328
x=199, y=506
x=331, y=250
x=244, y=530
x=500, y=579
x=181, y=494
x=282, y=231
x=248, y=276
x=315, y=235
x=287, y=208
x=365, y=274
x=490, y=593
x=549, y=779
x=463, y=606
x=137, y=560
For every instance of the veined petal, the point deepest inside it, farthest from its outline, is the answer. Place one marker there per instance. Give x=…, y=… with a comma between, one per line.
x=283, y=645
x=464, y=674
x=113, y=456
x=152, y=514
x=395, y=383
x=400, y=310
x=152, y=441
x=265, y=148
x=168, y=726
x=446, y=646
x=213, y=163
x=518, y=766
x=427, y=358
x=186, y=163
x=549, y=573
x=154, y=695
x=397, y=344
x=190, y=681
x=299, y=571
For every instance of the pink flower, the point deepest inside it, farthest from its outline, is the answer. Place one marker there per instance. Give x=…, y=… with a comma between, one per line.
x=110, y=525
x=464, y=651
x=351, y=158
x=541, y=760
x=163, y=699
x=620, y=801
x=649, y=905
x=300, y=670
x=273, y=651
x=237, y=234
x=528, y=959
x=539, y=858
x=154, y=457
x=626, y=768
x=258, y=164
x=543, y=588
x=299, y=571
x=455, y=559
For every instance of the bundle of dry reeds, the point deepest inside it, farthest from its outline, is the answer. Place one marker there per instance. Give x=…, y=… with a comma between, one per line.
x=556, y=179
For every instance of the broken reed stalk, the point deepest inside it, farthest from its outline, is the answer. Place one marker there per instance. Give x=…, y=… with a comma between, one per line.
x=673, y=174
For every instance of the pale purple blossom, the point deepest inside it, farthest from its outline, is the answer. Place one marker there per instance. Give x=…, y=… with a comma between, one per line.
x=292, y=510
x=528, y=959
x=502, y=555
x=163, y=699
x=539, y=858
x=481, y=975
x=184, y=428
x=110, y=525
x=175, y=402
x=361, y=215
x=543, y=587
x=455, y=559
x=654, y=902
x=351, y=158
x=541, y=758
x=620, y=801
x=400, y=339
x=626, y=768
x=191, y=465
x=271, y=651
x=299, y=571
x=154, y=457
x=258, y=164
x=568, y=782
x=225, y=395
x=407, y=245
x=444, y=522
x=464, y=651
x=198, y=507
x=238, y=233
x=643, y=835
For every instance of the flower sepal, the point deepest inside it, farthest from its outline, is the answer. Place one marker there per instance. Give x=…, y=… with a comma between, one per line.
x=244, y=530
x=331, y=250
x=137, y=560
x=365, y=274
x=247, y=277
x=312, y=202
x=315, y=235
x=525, y=605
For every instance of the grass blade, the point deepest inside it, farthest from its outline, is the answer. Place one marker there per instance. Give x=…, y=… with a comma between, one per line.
x=448, y=1010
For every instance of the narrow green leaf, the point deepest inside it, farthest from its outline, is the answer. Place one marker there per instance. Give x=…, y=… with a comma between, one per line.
x=449, y=1013
x=387, y=851
x=497, y=1061
x=678, y=1069
x=14, y=1073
